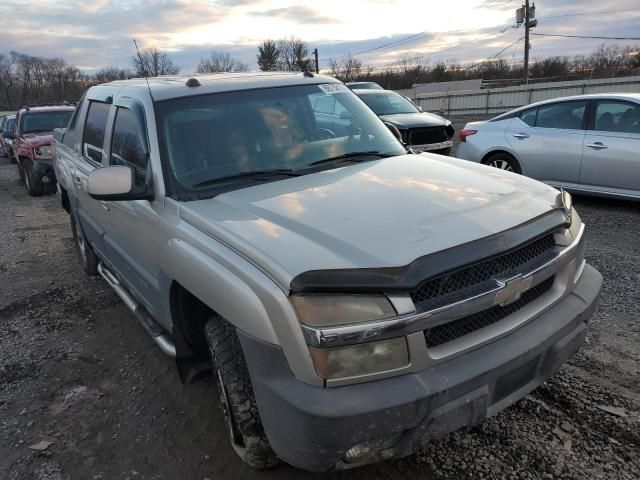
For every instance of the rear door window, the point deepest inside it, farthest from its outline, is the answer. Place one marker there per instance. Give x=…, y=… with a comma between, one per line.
x=566, y=115
x=615, y=116
x=94, y=131
x=127, y=145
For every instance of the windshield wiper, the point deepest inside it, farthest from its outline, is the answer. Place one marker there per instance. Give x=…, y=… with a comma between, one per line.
x=352, y=157
x=250, y=173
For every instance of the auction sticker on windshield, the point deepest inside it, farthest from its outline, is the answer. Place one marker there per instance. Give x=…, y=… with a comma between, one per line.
x=333, y=88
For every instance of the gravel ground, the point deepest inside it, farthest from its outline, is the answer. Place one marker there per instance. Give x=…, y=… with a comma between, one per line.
x=85, y=394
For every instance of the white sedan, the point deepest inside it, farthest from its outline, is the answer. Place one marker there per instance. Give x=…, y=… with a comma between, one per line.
x=585, y=143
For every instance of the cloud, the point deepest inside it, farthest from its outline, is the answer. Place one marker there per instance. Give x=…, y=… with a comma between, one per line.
x=297, y=14
x=99, y=33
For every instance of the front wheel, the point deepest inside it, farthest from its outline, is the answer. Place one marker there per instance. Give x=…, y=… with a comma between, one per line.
x=34, y=188
x=503, y=161
x=239, y=407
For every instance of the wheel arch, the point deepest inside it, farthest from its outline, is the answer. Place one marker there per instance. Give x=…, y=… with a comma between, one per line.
x=200, y=287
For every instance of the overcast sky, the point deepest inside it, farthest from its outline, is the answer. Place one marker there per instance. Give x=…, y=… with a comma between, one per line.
x=97, y=33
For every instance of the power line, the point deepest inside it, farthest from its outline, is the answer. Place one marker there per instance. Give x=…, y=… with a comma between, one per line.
x=380, y=47
x=495, y=55
x=445, y=49
x=584, y=36
x=589, y=13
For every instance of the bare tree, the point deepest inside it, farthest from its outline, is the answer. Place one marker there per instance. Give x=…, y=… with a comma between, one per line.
x=609, y=59
x=294, y=54
x=152, y=62
x=220, y=62
x=109, y=74
x=347, y=69
x=268, y=56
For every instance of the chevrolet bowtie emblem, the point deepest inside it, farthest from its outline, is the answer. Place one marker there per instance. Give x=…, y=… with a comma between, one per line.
x=511, y=290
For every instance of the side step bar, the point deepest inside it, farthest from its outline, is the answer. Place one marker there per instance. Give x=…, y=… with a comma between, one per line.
x=158, y=334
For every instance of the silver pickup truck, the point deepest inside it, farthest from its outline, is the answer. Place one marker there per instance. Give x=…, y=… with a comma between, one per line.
x=353, y=299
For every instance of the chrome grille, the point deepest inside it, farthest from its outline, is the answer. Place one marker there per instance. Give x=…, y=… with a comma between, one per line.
x=447, y=332
x=480, y=277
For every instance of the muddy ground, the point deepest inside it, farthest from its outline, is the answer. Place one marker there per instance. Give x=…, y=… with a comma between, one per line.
x=85, y=394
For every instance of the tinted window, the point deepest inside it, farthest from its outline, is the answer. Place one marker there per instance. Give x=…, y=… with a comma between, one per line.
x=622, y=117
x=70, y=136
x=529, y=116
x=566, y=115
x=94, y=130
x=33, y=122
x=9, y=125
x=127, y=146
x=388, y=103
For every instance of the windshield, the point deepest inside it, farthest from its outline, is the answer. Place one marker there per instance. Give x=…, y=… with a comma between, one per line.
x=287, y=130
x=388, y=103
x=44, y=121
x=8, y=127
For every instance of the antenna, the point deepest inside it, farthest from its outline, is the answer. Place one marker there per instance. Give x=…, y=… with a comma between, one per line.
x=144, y=69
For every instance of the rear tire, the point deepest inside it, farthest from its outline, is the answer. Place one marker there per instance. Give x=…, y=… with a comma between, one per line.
x=88, y=259
x=503, y=161
x=239, y=407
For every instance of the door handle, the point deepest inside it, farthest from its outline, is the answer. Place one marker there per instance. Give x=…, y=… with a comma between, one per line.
x=597, y=145
x=521, y=135
x=105, y=205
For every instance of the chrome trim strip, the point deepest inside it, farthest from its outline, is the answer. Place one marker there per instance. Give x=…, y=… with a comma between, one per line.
x=406, y=324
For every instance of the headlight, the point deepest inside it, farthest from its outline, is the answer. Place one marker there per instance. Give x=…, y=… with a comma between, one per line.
x=361, y=359
x=43, y=151
x=331, y=310
x=565, y=203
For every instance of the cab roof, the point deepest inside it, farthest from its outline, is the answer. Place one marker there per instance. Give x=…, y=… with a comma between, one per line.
x=167, y=87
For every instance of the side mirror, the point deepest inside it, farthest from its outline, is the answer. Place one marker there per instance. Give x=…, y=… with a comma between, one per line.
x=116, y=183
x=393, y=129
x=58, y=134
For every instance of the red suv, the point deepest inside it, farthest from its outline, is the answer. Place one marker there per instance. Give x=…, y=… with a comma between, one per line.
x=32, y=144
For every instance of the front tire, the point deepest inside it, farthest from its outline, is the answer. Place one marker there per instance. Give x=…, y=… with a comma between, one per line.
x=503, y=161
x=34, y=188
x=239, y=407
x=88, y=259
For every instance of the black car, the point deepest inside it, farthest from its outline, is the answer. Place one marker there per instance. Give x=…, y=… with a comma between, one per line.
x=422, y=131
x=6, y=144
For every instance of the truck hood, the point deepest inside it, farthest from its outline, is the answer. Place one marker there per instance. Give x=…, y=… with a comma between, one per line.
x=381, y=213
x=38, y=139
x=414, y=120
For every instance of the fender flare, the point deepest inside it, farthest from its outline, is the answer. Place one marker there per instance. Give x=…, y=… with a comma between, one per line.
x=218, y=288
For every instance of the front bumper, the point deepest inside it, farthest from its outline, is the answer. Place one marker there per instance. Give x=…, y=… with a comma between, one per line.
x=312, y=427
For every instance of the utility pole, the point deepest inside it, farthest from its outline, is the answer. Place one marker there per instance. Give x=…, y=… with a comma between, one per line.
x=315, y=55
x=527, y=15
x=526, y=42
